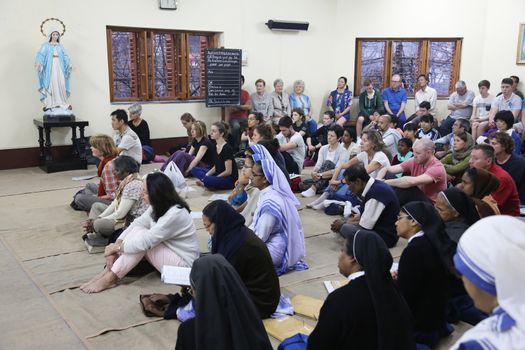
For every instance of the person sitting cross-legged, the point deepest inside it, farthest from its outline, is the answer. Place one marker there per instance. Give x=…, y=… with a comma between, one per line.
x=276, y=220
x=427, y=176
x=506, y=195
x=456, y=162
x=292, y=146
x=379, y=208
x=424, y=271
x=103, y=147
x=478, y=184
x=246, y=252
x=330, y=157
x=225, y=316
x=513, y=164
x=369, y=312
x=224, y=173
x=129, y=204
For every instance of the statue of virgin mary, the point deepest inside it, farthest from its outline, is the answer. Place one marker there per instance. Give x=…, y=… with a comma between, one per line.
x=53, y=69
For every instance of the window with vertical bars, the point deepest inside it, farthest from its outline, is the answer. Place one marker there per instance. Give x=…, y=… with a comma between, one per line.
x=379, y=59
x=156, y=65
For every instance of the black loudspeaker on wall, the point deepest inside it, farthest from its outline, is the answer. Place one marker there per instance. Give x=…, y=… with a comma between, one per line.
x=286, y=25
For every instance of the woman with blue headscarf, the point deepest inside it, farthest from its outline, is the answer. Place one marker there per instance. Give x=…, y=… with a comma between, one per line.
x=489, y=257
x=276, y=220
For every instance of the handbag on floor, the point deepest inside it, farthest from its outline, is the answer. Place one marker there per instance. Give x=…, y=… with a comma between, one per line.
x=175, y=175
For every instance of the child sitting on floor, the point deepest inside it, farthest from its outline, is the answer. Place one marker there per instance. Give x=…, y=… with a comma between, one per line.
x=404, y=151
x=239, y=194
x=426, y=129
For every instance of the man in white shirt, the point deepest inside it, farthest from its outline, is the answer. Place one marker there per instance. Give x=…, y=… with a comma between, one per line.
x=507, y=101
x=292, y=143
x=425, y=93
x=127, y=141
x=482, y=103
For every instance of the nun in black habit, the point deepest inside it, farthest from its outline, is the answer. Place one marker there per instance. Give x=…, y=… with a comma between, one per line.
x=425, y=269
x=226, y=318
x=246, y=252
x=369, y=312
x=458, y=212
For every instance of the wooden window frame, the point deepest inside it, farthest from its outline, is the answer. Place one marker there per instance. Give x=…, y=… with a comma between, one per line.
x=146, y=78
x=388, y=56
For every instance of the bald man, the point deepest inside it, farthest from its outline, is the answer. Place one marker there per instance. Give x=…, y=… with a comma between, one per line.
x=426, y=175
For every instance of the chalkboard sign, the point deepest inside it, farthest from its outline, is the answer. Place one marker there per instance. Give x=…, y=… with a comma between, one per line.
x=223, y=77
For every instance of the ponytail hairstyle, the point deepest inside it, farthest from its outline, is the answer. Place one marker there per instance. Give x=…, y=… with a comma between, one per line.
x=224, y=129
x=346, y=82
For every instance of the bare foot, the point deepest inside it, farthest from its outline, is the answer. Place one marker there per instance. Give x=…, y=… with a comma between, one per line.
x=97, y=277
x=109, y=280
x=199, y=183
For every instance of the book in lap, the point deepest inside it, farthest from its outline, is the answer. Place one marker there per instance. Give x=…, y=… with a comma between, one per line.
x=176, y=275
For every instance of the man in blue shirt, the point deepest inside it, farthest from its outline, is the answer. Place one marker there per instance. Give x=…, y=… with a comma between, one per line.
x=395, y=100
x=378, y=211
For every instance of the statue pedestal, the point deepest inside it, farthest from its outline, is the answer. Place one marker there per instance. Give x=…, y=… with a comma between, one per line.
x=78, y=156
x=58, y=118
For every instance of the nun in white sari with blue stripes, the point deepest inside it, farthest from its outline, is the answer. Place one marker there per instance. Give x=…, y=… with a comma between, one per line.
x=276, y=220
x=490, y=256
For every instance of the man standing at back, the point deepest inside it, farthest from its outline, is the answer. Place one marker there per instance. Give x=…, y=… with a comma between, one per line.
x=395, y=100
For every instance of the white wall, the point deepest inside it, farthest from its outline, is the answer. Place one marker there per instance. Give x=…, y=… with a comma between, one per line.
x=489, y=30
x=318, y=56
x=271, y=54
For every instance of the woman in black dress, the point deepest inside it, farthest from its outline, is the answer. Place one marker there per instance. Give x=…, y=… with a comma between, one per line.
x=369, y=312
x=425, y=269
x=246, y=252
x=226, y=318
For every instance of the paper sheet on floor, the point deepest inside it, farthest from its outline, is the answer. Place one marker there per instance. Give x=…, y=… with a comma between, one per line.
x=282, y=328
x=85, y=177
x=307, y=306
x=218, y=196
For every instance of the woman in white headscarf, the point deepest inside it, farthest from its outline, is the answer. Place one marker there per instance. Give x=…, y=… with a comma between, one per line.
x=489, y=257
x=276, y=220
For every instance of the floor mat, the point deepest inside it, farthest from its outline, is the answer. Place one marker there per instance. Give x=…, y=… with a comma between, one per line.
x=114, y=309
x=44, y=241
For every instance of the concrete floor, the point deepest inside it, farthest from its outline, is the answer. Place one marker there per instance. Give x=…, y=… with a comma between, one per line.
x=42, y=261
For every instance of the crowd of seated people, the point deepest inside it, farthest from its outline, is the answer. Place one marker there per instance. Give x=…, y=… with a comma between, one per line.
x=430, y=179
